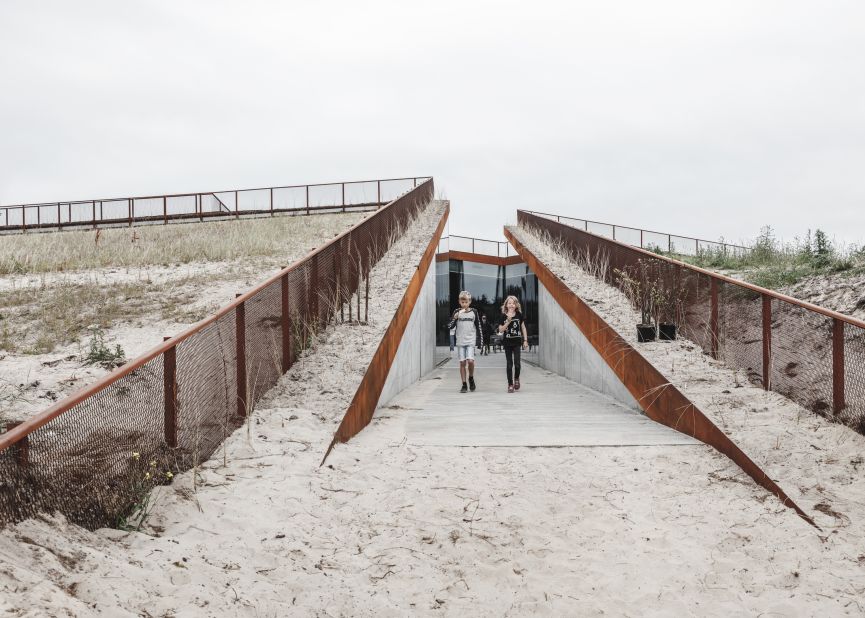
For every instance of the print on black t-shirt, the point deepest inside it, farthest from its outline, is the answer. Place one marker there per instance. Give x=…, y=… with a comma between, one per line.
x=513, y=333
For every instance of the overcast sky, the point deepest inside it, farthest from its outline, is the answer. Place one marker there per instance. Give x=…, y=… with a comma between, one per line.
x=699, y=118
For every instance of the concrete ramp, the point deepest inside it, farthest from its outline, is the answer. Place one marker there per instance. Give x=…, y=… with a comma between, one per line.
x=548, y=411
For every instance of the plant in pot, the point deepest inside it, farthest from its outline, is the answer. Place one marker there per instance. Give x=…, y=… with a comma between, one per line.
x=635, y=284
x=671, y=303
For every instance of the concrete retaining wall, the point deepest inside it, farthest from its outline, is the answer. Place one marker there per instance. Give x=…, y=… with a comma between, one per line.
x=414, y=357
x=564, y=350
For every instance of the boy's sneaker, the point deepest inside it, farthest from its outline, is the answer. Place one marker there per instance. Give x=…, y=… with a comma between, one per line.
x=464, y=389
x=472, y=383
x=510, y=388
x=516, y=385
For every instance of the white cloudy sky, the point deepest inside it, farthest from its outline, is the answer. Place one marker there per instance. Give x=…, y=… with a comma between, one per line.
x=695, y=117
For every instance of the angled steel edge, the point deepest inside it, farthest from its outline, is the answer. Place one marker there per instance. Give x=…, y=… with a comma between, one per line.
x=362, y=406
x=659, y=399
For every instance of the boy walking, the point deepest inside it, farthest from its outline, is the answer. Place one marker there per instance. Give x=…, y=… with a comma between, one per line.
x=468, y=335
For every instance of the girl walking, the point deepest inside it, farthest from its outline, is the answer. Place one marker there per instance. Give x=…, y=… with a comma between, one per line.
x=513, y=328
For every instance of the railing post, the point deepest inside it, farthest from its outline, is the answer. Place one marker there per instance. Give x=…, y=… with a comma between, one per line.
x=199, y=204
x=58, y=216
x=130, y=209
x=24, y=218
x=286, y=325
x=343, y=197
x=94, y=213
x=641, y=239
x=669, y=244
x=169, y=365
x=236, y=206
x=614, y=232
x=696, y=247
x=38, y=216
x=838, y=396
x=271, y=201
x=22, y=456
x=165, y=210
x=767, y=341
x=307, y=199
x=713, y=319
x=378, y=184
x=240, y=335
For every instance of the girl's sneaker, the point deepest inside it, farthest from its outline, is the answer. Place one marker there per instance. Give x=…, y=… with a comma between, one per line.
x=510, y=388
x=516, y=385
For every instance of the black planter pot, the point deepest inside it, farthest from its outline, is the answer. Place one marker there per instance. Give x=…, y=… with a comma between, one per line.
x=645, y=332
x=666, y=331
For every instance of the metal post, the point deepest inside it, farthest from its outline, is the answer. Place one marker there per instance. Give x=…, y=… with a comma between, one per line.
x=94, y=213
x=22, y=446
x=23, y=219
x=641, y=239
x=713, y=320
x=38, y=216
x=378, y=184
x=286, y=325
x=586, y=225
x=240, y=334
x=307, y=199
x=169, y=364
x=614, y=232
x=838, y=397
x=236, y=206
x=58, y=216
x=271, y=201
x=696, y=247
x=669, y=243
x=130, y=210
x=473, y=245
x=767, y=340
x=343, y=197
x=199, y=205
x=165, y=210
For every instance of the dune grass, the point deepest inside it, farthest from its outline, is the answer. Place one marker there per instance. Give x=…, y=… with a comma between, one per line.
x=164, y=244
x=774, y=264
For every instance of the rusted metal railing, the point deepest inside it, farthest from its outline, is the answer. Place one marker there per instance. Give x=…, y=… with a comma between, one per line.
x=94, y=455
x=811, y=354
x=179, y=207
x=647, y=239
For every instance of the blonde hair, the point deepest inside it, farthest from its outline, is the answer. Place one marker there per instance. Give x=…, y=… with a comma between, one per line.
x=465, y=294
x=516, y=302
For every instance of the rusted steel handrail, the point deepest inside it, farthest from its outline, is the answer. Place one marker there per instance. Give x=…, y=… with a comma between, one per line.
x=165, y=216
x=363, y=404
x=35, y=422
x=719, y=277
x=655, y=394
x=638, y=229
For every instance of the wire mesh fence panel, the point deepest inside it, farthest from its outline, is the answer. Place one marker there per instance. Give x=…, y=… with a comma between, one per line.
x=601, y=229
x=254, y=200
x=486, y=247
x=325, y=195
x=181, y=205
x=289, y=198
x=654, y=241
x=263, y=340
x=361, y=192
x=392, y=189
x=852, y=413
x=740, y=330
x=801, y=356
x=91, y=463
x=148, y=207
x=683, y=245
x=227, y=200
x=113, y=209
x=695, y=309
x=628, y=236
x=206, y=389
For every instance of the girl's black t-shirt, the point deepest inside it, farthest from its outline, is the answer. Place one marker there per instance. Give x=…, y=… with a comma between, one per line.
x=513, y=333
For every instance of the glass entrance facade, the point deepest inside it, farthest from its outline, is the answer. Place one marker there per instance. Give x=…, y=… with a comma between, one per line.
x=489, y=285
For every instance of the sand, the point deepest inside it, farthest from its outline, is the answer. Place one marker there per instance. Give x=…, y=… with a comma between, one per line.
x=389, y=529
x=185, y=293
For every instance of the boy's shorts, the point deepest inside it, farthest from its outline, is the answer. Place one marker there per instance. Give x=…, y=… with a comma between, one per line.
x=466, y=352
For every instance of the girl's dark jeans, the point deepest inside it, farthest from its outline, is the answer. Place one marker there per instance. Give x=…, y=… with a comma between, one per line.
x=512, y=356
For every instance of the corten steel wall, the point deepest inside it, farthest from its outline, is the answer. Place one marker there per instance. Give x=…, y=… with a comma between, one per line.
x=186, y=207
x=660, y=400
x=812, y=355
x=174, y=405
x=366, y=397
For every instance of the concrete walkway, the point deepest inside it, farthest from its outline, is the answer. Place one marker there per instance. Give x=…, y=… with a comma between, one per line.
x=547, y=411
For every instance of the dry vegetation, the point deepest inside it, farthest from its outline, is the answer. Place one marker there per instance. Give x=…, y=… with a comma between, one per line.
x=49, y=301
x=157, y=244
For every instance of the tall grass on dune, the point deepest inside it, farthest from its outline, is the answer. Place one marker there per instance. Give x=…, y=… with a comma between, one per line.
x=163, y=244
x=774, y=264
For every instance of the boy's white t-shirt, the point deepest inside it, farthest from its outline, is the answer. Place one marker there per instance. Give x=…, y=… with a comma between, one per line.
x=466, y=334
